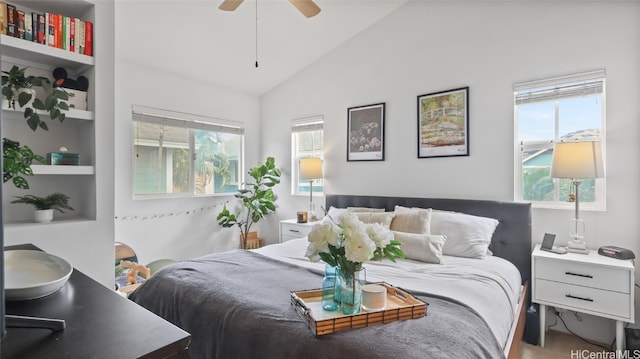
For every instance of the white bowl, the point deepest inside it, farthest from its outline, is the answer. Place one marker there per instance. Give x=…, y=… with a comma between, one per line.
x=31, y=274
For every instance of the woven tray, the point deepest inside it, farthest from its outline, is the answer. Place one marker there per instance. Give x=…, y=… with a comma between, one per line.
x=400, y=306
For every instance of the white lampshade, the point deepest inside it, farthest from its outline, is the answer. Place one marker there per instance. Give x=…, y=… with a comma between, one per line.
x=310, y=168
x=577, y=160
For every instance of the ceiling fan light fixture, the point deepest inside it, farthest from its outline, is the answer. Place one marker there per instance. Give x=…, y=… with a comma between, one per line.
x=307, y=7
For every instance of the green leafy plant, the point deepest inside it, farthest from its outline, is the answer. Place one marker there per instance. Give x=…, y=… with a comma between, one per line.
x=17, y=162
x=257, y=199
x=15, y=81
x=57, y=201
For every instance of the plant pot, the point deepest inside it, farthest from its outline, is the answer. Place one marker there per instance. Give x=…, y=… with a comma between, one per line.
x=43, y=215
x=6, y=105
x=252, y=242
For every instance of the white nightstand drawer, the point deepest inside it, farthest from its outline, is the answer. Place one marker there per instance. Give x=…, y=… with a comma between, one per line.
x=582, y=298
x=583, y=274
x=290, y=229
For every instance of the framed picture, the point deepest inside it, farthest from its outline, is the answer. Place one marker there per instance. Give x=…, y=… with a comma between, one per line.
x=443, y=123
x=365, y=130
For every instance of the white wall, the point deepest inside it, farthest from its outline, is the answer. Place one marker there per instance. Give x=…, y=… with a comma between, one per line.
x=425, y=47
x=172, y=228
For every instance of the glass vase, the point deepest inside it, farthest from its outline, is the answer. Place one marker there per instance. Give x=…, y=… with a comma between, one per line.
x=328, y=289
x=351, y=291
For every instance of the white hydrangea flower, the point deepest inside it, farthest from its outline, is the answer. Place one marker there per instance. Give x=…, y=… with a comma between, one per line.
x=380, y=235
x=319, y=239
x=359, y=247
x=351, y=225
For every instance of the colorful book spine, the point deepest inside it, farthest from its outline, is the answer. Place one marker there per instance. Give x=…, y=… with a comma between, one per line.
x=42, y=29
x=72, y=35
x=88, y=38
x=59, y=31
x=76, y=47
x=28, y=27
x=3, y=18
x=81, y=38
x=12, y=21
x=51, y=29
x=21, y=28
x=34, y=27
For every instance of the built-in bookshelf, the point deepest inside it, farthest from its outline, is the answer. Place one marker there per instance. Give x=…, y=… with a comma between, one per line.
x=77, y=132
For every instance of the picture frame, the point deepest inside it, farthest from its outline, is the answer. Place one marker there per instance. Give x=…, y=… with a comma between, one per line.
x=443, y=123
x=365, y=132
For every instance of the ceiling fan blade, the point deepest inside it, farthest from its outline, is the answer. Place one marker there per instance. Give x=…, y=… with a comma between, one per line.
x=230, y=5
x=307, y=7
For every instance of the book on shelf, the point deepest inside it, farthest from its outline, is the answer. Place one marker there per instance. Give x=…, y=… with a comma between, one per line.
x=88, y=38
x=51, y=29
x=3, y=18
x=72, y=35
x=81, y=37
x=28, y=27
x=42, y=29
x=11, y=20
x=20, y=25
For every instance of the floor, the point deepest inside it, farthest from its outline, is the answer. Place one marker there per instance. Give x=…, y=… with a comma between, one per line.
x=559, y=345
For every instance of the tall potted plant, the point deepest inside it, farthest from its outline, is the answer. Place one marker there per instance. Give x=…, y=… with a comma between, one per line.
x=257, y=199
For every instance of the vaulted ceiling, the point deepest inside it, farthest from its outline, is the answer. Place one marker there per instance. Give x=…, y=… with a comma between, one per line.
x=193, y=38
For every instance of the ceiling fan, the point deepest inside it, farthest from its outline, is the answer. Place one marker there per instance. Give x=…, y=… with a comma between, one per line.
x=307, y=7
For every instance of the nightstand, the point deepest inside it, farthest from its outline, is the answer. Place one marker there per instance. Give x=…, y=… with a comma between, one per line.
x=291, y=229
x=586, y=283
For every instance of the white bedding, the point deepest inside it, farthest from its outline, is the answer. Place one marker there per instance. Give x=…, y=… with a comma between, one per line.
x=490, y=286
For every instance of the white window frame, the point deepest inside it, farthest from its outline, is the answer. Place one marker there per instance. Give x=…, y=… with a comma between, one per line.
x=309, y=124
x=558, y=84
x=192, y=122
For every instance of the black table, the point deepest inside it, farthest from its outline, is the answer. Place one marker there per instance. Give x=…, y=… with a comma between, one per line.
x=99, y=324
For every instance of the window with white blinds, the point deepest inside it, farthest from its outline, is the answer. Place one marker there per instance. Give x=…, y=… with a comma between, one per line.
x=179, y=154
x=547, y=111
x=307, y=137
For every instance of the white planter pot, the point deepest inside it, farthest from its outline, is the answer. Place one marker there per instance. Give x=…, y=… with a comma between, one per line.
x=43, y=216
x=5, y=102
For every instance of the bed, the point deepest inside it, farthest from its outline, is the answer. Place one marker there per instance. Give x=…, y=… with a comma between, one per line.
x=236, y=303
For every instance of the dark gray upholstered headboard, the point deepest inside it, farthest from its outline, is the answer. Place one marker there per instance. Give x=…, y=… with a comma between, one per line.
x=511, y=240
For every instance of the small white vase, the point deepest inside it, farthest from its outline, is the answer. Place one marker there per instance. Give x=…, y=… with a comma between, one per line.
x=43, y=215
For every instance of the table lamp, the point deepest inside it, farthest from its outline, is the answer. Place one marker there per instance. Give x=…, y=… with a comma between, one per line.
x=310, y=169
x=577, y=161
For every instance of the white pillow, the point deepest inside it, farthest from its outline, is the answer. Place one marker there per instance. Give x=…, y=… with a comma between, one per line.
x=333, y=213
x=421, y=247
x=364, y=209
x=383, y=218
x=467, y=235
x=411, y=220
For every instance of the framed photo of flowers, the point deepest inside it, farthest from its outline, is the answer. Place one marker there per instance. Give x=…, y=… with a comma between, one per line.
x=443, y=123
x=365, y=131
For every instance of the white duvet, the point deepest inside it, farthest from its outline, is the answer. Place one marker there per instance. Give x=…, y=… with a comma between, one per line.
x=490, y=286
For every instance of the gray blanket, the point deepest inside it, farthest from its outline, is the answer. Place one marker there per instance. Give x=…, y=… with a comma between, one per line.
x=237, y=305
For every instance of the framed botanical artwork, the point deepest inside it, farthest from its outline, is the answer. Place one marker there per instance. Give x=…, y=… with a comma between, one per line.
x=443, y=123
x=365, y=131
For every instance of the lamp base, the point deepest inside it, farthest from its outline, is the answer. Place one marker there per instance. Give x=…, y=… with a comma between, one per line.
x=577, y=246
x=575, y=250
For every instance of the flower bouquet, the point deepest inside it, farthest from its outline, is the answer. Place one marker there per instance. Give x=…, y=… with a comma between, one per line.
x=347, y=244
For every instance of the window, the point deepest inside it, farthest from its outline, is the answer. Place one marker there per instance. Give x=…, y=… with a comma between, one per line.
x=306, y=141
x=548, y=111
x=183, y=154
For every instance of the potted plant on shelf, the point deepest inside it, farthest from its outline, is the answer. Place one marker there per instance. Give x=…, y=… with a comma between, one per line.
x=257, y=199
x=45, y=205
x=17, y=86
x=17, y=162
